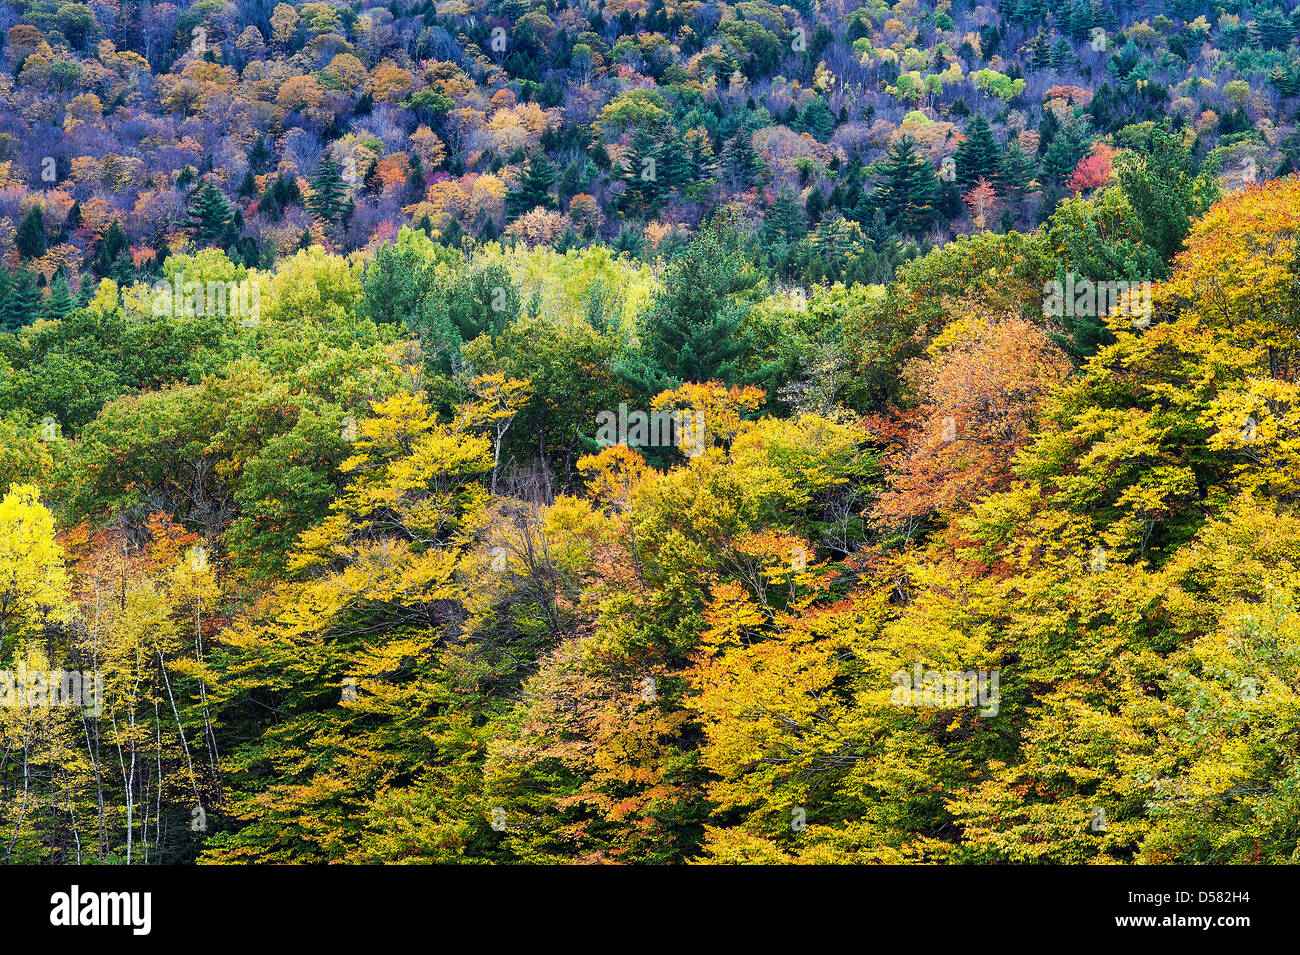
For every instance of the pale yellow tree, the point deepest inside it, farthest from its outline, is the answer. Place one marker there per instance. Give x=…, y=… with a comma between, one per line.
x=284, y=24
x=33, y=581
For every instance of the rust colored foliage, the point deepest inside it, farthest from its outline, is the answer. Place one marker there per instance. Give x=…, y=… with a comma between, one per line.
x=979, y=392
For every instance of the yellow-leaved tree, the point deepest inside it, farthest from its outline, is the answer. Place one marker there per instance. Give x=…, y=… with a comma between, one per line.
x=33, y=581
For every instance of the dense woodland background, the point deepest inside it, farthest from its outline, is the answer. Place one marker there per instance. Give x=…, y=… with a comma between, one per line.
x=364, y=583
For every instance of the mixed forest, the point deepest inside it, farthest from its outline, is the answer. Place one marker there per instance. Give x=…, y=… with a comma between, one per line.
x=551, y=431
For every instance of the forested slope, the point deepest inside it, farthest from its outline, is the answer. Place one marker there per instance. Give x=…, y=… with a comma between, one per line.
x=808, y=500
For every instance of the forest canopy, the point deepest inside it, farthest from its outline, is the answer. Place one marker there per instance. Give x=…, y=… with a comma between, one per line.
x=649, y=432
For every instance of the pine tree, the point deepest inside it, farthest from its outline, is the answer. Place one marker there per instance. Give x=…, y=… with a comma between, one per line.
x=816, y=119
x=908, y=187
x=534, y=187
x=1061, y=158
x=329, y=201
x=815, y=205
x=416, y=178
x=639, y=170
x=1016, y=171
x=260, y=153
x=740, y=163
x=675, y=167
x=1039, y=50
x=1081, y=21
x=977, y=156
x=211, y=217
x=881, y=236
x=694, y=330
x=59, y=301
x=22, y=303
x=30, y=240
x=784, y=224
x=1062, y=55
x=112, y=258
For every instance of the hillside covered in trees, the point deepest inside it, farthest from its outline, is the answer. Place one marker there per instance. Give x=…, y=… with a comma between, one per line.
x=847, y=137
x=650, y=432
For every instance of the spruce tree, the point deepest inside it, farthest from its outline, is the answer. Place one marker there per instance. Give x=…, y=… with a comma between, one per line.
x=1081, y=21
x=816, y=119
x=1106, y=18
x=784, y=224
x=453, y=234
x=977, y=157
x=30, y=239
x=815, y=205
x=1016, y=171
x=694, y=330
x=534, y=187
x=1167, y=192
x=1061, y=158
x=675, y=167
x=740, y=163
x=630, y=239
x=260, y=153
x=908, y=187
x=282, y=191
x=416, y=178
x=59, y=301
x=703, y=161
x=1039, y=50
x=881, y=236
x=639, y=170
x=211, y=217
x=1062, y=55
x=112, y=258
x=22, y=304
x=329, y=201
